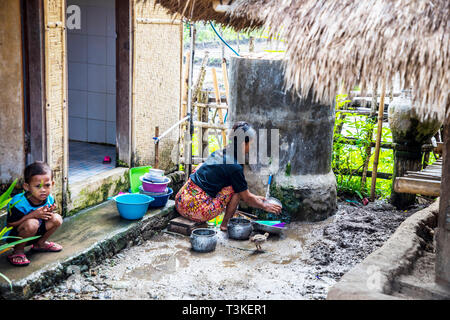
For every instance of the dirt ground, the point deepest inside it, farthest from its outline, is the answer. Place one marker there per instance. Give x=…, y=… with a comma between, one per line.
x=301, y=264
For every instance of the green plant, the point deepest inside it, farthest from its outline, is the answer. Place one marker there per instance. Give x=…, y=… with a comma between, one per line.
x=349, y=155
x=5, y=199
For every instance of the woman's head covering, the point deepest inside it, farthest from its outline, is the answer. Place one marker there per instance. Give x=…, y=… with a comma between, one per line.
x=241, y=132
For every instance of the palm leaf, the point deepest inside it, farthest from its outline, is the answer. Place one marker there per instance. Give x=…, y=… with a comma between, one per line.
x=11, y=237
x=7, y=280
x=4, y=230
x=12, y=244
x=5, y=203
x=6, y=195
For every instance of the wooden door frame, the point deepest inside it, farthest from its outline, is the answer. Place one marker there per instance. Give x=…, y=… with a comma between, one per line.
x=34, y=82
x=124, y=74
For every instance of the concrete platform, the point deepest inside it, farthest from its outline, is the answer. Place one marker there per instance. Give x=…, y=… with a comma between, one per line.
x=87, y=238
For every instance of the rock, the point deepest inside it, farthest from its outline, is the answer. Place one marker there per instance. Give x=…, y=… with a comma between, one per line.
x=89, y=289
x=75, y=288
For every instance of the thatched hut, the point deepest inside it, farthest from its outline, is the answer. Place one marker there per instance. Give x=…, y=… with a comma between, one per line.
x=346, y=43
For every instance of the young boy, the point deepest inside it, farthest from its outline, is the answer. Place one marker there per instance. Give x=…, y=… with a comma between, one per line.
x=31, y=214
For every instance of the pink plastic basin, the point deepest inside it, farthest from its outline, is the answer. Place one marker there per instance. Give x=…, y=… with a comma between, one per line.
x=154, y=187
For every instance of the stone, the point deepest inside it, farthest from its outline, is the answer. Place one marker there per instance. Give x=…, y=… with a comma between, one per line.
x=89, y=289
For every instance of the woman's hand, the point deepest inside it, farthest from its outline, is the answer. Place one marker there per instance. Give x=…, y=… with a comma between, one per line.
x=272, y=207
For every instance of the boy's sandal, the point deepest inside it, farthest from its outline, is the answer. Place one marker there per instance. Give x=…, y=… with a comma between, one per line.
x=49, y=247
x=22, y=262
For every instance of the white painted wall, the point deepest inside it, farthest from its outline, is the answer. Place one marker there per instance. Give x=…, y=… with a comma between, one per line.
x=91, y=55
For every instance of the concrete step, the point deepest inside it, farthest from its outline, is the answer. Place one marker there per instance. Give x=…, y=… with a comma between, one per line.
x=88, y=237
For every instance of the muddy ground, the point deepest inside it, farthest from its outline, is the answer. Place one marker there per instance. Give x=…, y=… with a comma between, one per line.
x=301, y=264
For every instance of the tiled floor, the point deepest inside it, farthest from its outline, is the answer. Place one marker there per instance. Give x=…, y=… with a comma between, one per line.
x=86, y=159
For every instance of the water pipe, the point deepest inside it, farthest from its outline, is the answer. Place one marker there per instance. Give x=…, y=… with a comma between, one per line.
x=223, y=39
x=157, y=139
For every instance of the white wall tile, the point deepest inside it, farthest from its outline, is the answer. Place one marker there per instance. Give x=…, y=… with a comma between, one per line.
x=96, y=49
x=78, y=103
x=78, y=76
x=111, y=51
x=111, y=107
x=96, y=131
x=111, y=22
x=96, y=78
x=110, y=132
x=111, y=79
x=77, y=129
x=96, y=106
x=77, y=47
x=96, y=21
x=92, y=73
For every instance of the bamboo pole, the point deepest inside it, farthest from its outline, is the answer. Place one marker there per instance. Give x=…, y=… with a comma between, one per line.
x=217, y=94
x=188, y=168
x=414, y=186
x=157, y=148
x=225, y=80
x=369, y=136
x=378, y=141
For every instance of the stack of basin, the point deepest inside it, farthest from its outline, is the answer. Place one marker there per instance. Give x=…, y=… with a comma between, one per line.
x=154, y=184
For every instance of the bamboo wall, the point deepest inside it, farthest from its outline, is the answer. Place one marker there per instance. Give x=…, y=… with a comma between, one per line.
x=156, y=81
x=55, y=93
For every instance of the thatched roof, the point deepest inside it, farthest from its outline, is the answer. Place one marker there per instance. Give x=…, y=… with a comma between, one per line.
x=350, y=42
x=359, y=42
x=202, y=10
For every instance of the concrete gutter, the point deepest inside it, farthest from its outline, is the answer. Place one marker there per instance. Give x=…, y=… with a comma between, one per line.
x=87, y=238
x=374, y=277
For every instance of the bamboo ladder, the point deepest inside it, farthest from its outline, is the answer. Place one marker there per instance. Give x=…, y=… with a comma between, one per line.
x=203, y=104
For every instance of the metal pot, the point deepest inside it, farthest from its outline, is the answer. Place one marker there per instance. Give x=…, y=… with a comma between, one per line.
x=203, y=240
x=239, y=228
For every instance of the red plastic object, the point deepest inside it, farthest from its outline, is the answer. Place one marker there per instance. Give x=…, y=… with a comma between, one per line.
x=107, y=159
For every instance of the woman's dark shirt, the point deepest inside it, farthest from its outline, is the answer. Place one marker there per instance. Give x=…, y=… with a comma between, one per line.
x=219, y=171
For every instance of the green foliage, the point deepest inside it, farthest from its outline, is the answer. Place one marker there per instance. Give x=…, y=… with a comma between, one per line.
x=204, y=33
x=341, y=101
x=348, y=159
x=5, y=197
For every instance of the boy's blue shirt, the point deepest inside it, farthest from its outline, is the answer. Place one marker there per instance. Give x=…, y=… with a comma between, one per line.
x=21, y=207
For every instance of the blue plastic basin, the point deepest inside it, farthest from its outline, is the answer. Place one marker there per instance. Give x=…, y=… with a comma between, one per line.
x=161, y=200
x=132, y=206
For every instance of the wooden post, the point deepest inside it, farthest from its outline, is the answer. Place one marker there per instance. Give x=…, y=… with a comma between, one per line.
x=442, y=267
x=378, y=141
x=184, y=98
x=369, y=136
x=217, y=94
x=185, y=87
x=188, y=168
x=225, y=80
x=157, y=148
x=251, y=44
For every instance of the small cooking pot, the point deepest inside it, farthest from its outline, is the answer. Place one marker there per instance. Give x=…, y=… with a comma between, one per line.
x=239, y=228
x=203, y=240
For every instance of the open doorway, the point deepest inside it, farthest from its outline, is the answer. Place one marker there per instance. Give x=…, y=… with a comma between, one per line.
x=91, y=55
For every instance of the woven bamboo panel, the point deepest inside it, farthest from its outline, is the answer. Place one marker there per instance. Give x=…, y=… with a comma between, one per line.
x=157, y=83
